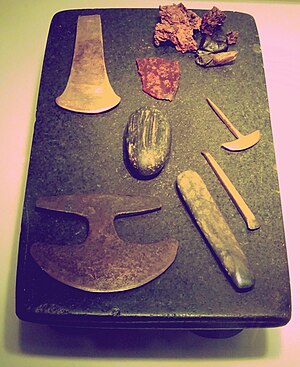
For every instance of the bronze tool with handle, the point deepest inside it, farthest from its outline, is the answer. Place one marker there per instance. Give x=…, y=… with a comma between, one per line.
x=215, y=229
x=103, y=262
x=88, y=89
x=242, y=142
x=235, y=196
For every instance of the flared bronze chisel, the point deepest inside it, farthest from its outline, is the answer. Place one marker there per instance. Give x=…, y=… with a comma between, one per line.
x=88, y=89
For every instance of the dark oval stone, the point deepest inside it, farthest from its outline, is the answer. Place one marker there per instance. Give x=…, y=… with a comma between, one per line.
x=147, y=139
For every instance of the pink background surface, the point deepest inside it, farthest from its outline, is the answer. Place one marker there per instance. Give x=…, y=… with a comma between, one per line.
x=23, y=31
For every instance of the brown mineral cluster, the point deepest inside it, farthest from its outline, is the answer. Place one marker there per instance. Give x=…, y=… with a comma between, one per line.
x=177, y=25
x=232, y=37
x=211, y=20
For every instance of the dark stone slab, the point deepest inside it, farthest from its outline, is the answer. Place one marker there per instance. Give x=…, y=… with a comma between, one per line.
x=79, y=153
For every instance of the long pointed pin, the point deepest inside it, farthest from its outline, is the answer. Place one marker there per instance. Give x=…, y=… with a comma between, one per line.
x=235, y=196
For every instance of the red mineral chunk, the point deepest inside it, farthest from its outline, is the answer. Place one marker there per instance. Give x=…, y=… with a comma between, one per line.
x=159, y=76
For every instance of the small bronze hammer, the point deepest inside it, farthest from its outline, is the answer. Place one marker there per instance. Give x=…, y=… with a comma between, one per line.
x=242, y=142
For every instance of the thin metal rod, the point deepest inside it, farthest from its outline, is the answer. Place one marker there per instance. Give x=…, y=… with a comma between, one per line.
x=235, y=196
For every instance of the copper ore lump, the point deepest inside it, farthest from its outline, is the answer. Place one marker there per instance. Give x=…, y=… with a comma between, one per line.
x=177, y=26
x=232, y=37
x=211, y=20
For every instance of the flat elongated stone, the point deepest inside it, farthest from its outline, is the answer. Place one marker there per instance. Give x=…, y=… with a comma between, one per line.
x=215, y=229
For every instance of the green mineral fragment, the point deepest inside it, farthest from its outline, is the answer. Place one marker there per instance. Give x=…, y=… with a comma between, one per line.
x=209, y=59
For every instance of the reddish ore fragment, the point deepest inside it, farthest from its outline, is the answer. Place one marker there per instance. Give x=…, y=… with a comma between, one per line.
x=211, y=20
x=159, y=76
x=177, y=25
x=232, y=37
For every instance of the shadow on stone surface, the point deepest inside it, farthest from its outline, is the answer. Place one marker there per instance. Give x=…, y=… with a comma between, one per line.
x=69, y=342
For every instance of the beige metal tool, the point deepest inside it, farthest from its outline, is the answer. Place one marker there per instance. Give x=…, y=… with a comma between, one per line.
x=215, y=229
x=88, y=89
x=235, y=196
x=103, y=262
x=242, y=142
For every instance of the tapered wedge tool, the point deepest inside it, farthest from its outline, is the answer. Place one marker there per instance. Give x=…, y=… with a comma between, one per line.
x=88, y=89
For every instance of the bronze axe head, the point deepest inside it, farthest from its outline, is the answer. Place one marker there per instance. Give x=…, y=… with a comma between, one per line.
x=103, y=262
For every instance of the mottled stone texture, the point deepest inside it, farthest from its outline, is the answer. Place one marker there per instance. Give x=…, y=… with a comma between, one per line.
x=81, y=153
x=215, y=229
